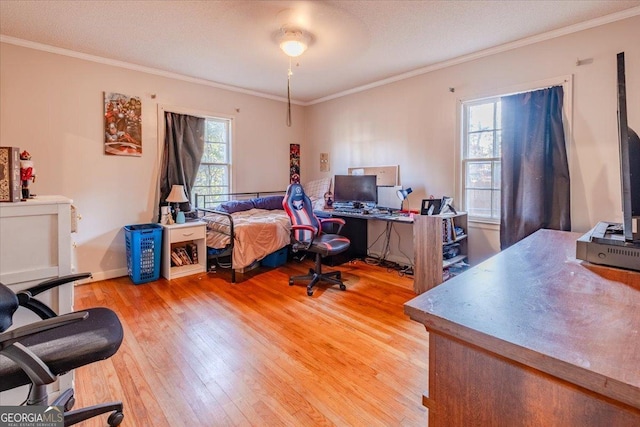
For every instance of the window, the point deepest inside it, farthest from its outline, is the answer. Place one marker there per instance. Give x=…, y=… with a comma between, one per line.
x=481, y=151
x=215, y=166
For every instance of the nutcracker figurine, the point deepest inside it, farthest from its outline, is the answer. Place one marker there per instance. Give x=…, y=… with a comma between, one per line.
x=27, y=173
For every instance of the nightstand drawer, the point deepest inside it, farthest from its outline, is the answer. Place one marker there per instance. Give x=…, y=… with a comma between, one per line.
x=187, y=233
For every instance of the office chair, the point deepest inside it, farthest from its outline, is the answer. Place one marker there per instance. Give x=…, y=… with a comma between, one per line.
x=39, y=352
x=307, y=234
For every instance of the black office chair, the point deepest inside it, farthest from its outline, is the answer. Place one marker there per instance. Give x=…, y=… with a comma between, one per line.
x=39, y=352
x=307, y=235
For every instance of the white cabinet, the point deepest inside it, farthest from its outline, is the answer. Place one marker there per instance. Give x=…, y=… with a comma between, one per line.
x=35, y=245
x=189, y=236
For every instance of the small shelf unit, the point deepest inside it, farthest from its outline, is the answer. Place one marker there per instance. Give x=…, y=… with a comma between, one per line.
x=430, y=243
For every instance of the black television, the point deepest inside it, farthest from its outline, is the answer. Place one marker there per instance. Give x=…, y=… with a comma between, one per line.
x=629, y=162
x=357, y=189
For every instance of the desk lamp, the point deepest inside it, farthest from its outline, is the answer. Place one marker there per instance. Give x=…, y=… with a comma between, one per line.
x=177, y=196
x=403, y=195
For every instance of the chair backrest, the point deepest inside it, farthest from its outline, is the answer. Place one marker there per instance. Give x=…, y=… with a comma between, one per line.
x=8, y=306
x=300, y=210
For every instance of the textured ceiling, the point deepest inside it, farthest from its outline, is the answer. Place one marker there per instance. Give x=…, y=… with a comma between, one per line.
x=233, y=43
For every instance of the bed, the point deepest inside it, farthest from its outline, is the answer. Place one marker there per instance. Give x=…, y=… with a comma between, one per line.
x=243, y=228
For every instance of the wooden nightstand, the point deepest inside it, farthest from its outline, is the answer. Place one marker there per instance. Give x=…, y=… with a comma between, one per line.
x=189, y=238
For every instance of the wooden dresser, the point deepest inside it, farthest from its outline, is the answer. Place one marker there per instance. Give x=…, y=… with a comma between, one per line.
x=533, y=337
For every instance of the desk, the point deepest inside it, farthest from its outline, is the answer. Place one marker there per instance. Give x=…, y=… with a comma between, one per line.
x=533, y=337
x=355, y=230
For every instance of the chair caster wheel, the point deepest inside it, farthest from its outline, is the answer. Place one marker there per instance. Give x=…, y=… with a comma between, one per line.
x=339, y=275
x=290, y=282
x=311, y=272
x=69, y=404
x=309, y=292
x=343, y=288
x=115, y=419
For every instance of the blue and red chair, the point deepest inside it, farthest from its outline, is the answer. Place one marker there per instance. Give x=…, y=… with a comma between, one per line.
x=307, y=235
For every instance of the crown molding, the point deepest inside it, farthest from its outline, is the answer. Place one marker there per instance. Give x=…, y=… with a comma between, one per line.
x=136, y=67
x=607, y=19
x=455, y=61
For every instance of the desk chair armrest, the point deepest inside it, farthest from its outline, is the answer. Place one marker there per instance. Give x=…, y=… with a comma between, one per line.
x=55, y=282
x=311, y=228
x=332, y=222
x=300, y=245
x=25, y=297
x=10, y=337
x=32, y=365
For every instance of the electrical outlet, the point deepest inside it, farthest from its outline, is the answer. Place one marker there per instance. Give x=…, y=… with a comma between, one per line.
x=324, y=162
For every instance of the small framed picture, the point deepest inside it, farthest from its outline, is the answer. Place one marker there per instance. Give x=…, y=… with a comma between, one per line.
x=447, y=205
x=430, y=206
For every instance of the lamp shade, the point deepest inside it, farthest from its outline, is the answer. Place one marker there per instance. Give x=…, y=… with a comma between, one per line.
x=177, y=195
x=293, y=42
x=403, y=194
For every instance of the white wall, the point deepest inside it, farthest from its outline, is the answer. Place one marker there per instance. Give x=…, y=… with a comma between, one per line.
x=52, y=106
x=413, y=122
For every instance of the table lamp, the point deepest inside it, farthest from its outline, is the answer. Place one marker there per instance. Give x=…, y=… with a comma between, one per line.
x=403, y=195
x=177, y=196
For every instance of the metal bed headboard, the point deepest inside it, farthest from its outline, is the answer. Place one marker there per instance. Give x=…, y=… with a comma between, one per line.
x=208, y=201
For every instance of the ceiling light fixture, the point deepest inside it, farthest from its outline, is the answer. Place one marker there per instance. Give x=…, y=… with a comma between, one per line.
x=293, y=42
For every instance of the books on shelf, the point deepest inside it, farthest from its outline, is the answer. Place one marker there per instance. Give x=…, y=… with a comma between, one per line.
x=175, y=259
x=192, y=251
x=451, y=232
x=184, y=255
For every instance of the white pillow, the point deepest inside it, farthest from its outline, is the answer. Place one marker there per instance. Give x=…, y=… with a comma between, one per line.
x=316, y=189
x=318, y=205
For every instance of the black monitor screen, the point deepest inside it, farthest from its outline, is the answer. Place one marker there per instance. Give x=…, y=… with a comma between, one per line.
x=355, y=188
x=629, y=162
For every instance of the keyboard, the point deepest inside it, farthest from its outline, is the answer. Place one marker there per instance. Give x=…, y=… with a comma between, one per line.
x=349, y=210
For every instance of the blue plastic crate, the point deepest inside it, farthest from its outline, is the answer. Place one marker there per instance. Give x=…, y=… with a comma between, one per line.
x=144, y=247
x=275, y=259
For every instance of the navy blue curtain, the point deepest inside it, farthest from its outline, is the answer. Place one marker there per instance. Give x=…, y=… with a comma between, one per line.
x=183, y=149
x=535, y=171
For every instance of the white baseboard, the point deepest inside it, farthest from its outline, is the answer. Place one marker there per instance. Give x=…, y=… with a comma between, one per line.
x=104, y=275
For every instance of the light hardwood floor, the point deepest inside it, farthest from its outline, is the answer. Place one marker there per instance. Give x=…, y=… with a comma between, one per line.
x=200, y=351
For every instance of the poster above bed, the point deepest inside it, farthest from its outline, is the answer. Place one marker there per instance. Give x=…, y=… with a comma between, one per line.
x=294, y=163
x=122, y=125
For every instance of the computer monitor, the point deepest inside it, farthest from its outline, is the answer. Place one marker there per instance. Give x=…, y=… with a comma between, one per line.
x=629, y=162
x=355, y=189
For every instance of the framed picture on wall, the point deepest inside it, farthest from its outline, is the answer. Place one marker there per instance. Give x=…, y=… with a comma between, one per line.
x=294, y=163
x=122, y=125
